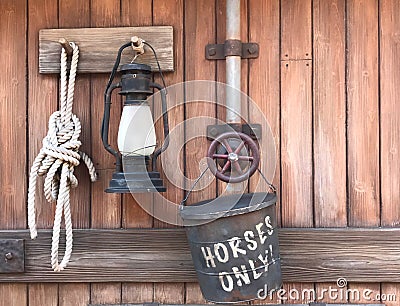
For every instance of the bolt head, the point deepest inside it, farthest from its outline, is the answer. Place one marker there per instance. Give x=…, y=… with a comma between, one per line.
x=251, y=50
x=9, y=256
x=212, y=51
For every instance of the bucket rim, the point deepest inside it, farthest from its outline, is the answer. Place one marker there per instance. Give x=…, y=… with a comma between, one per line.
x=222, y=207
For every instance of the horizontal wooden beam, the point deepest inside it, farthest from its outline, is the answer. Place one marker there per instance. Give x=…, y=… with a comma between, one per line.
x=98, y=47
x=162, y=255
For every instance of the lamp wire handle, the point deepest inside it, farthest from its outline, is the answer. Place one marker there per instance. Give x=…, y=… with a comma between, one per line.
x=158, y=64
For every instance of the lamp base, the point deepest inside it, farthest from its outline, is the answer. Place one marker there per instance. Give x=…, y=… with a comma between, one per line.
x=135, y=179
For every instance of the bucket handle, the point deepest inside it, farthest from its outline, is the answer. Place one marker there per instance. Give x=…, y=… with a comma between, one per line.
x=183, y=202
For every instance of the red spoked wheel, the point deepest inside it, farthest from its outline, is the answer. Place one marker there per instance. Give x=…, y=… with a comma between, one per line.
x=233, y=157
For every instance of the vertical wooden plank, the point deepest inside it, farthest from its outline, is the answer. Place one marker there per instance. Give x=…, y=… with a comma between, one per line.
x=329, y=119
x=264, y=22
x=137, y=293
x=43, y=97
x=199, y=31
x=390, y=123
x=170, y=12
x=390, y=116
x=296, y=30
x=12, y=294
x=363, y=121
x=169, y=293
x=390, y=294
x=133, y=214
x=329, y=114
x=264, y=82
x=296, y=163
x=363, y=126
x=13, y=113
x=102, y=293
x=72, y=14
x=193, y=294
x=297, y=199
x=13, y=24
x=43, y=294
x=74, y=294
x=105, y=209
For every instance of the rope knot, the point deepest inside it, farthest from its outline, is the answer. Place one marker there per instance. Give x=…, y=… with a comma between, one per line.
x=57, y=159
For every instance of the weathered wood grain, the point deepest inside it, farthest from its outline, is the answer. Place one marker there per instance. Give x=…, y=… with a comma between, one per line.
x=296, y=142
x=78, y=294
x=296, y=30
x=13, y=125
x=363, y=118
x=329, y=114
x=264, y=28
x=99, y=46
x=264, y=88
x=363, y=124
x=389, y=125
x=170, y=12
x=133, y=216
x=389, y=111
x=105, y=208
x=43, y=294
x=198, y=33
x=329, y=119
x=153, y=255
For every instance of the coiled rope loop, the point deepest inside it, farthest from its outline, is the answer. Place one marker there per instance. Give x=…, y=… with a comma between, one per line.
x=56, y=160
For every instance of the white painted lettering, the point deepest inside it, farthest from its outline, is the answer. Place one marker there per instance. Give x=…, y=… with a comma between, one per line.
x=252, y=244
x=268, y=223
x=225, y=257
x=234, y=244
x=241, y=275
x=256, y=275
x=227, y=287
x=264, y=260
x=261, y=233
x=209, y=257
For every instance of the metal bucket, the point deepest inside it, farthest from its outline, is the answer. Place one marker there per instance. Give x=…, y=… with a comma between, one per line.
x=234, y=245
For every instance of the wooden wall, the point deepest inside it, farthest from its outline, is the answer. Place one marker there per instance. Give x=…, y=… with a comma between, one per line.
x=327, y=80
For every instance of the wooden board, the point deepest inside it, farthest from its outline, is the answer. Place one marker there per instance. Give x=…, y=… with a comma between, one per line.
x=296, y=29
x=153, y=255
x=363, y=124
x=296, y=147
x=329, y=114
x=105, y=208
x=390, y=115
x=99, y=46
x=329, y=137
x=296, y=142
x=133, y=216
x=363, y=118
x=390, y=125
x=13, y=125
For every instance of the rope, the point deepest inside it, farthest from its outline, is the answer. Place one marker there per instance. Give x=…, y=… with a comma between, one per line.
x=56, y=161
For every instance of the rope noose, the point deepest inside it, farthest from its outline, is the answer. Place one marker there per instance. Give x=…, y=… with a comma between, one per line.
x=57, y=159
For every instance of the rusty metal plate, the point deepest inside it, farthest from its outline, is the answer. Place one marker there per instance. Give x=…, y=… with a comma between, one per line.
x=12, y=256
x=232, y=48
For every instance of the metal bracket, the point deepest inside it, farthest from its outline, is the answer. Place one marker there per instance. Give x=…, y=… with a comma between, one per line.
x=253, y=130
x=232, y=47
x=12, y=256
